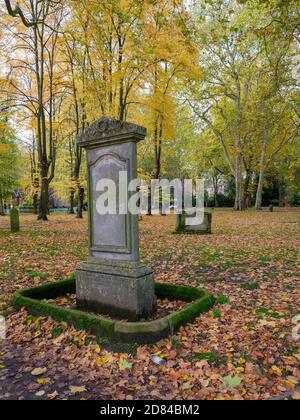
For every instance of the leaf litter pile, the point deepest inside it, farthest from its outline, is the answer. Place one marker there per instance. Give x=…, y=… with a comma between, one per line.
x=246, y=347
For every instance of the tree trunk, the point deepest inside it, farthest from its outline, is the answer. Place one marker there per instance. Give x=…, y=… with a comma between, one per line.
x=72, y=201
x=77, y=180
x=258, y=204
x=44, y=197
x=282, y=193
x=80, y=203
x=216, y=200
x=149, y=212
x=2, y=213
x=216, y=190
x=239, y=196
x=35, y=204
x=247, y=192
x=261, y=175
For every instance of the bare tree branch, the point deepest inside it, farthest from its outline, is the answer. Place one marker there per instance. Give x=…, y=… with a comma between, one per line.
x=17, y=11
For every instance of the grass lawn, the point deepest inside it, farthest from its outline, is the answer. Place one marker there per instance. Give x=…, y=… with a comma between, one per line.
x=242, y=349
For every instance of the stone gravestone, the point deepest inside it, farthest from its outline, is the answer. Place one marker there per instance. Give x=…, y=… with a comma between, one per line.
x=14, y=220
x=113, y=280
x=203, y=228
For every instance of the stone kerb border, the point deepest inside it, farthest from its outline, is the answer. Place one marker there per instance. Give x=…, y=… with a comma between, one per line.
x=198, y=301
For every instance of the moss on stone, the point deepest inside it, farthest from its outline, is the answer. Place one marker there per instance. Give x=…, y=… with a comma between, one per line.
x=132, y=332
x=177, y=292
x=191, y=311
x=14, y=220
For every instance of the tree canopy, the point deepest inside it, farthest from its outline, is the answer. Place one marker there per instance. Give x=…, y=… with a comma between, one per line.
x=216, y=83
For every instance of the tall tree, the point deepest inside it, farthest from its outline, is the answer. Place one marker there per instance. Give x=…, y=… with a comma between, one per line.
x=8, y=163
x=36, y=45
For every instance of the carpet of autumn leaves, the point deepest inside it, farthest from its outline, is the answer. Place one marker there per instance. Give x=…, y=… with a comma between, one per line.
x=242, y=349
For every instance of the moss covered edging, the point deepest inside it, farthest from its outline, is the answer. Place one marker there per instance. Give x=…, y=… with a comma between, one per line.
x=129, y=332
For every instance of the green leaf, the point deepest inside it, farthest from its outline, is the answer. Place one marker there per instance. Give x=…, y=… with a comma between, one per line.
x=124, y=364
x=232, y=381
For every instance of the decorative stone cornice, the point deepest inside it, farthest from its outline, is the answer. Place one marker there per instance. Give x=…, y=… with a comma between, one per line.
x=108, y=130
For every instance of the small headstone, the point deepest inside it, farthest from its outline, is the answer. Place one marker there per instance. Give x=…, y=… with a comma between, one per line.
x=14, y=220
x=204, y=228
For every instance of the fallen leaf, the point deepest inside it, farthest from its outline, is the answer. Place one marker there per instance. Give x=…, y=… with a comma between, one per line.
x=53, y=395
x=231, y=381
x=40, y=394
x=276, y=371
x=186, y=386
x=77, y=389
x=38, y=371
x=43, y=381
x=124, y=364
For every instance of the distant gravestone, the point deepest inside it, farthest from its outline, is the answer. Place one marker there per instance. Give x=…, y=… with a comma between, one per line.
x=113, y=280
x=182, y=225
x=14, y=220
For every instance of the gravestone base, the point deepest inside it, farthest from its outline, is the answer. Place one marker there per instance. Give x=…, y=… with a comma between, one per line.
x=120, y=289
x=201, y=229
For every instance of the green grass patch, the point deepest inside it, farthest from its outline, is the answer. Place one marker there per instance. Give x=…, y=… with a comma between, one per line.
x=36, y=274
x=217, y=314
x=222, y=300
x=212, y=358
x=264, y=258
x=250, y=286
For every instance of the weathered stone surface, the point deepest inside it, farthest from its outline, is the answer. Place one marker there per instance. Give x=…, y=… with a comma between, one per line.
x=203, y=228
x=112, y=236
x=113, y=280
x=14, y=220
x=107, y=130
x=121, y=290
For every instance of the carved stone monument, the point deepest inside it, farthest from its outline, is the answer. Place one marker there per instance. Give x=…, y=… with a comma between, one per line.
x=113, y=280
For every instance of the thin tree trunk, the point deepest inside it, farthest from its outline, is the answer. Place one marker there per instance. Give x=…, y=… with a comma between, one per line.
x=35, y=204
x=239, y=196
x=44, y=196
x=282, y=194
x=72, y=201
x=149, y=212
x=216, y=190
x=247, y=192
x=79, y=214
x=258, y=204
x=2, y=213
